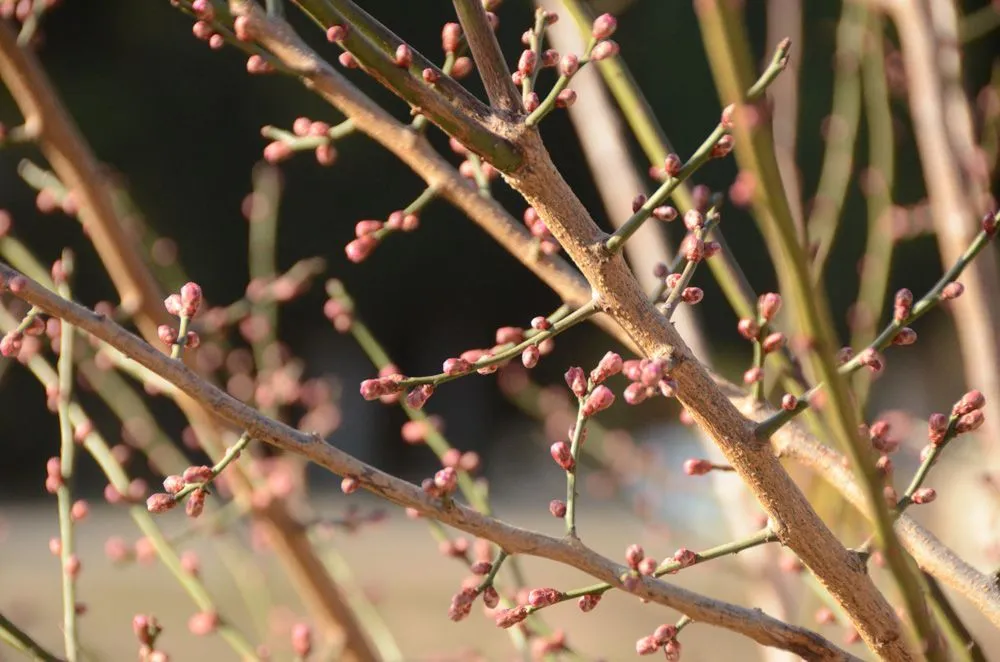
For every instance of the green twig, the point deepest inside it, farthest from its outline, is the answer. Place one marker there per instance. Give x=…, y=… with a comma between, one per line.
x=19, y=640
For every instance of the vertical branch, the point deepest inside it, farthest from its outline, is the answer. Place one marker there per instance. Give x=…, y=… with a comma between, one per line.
x=489, y=58
x=67, y=462
x=729, y=54
x=784, y=20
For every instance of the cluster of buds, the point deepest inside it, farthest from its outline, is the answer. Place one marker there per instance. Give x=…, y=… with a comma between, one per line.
x=966, y=416
x=664, y=637
x=204, y=28
x=184, y=306
x=879, y=434
x=639, y=564
x=594, y=396
x=193, y=484
x=538, y=229
x=147, y=629
x=451, y=40
x=756, y=330
x=368, y=233
x=307, y=134
x=648, y=377
x=383, y=386
x=601, y=30
x=14, y=340
x=443, y=484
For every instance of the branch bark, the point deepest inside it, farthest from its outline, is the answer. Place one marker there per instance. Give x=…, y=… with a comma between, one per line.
x=79, y=171
x=751, y=623
x=489, y=58
x=619, y=295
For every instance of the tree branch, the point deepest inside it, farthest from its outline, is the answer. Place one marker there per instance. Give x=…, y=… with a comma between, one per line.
x=620, y=295
x=489, y=58
x=446, y=103
x=514, y=540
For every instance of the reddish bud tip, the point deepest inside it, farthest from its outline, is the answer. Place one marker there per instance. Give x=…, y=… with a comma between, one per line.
x=604, y=26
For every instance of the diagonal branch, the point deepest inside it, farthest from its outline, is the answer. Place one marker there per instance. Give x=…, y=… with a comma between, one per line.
x=449, y=105
x=514, y=540
x=489, y=58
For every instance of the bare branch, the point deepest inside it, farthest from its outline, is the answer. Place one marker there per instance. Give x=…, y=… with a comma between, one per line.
x=489, y=58
x=514, y=540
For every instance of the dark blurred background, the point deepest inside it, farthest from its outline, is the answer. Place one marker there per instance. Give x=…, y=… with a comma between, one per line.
x=180, y=124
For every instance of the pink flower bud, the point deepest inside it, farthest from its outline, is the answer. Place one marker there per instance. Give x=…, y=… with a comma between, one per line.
x=789, y=402
x=692, y=295
x=173, y=304
x=753, y=375
x=952, y=290
x=646, y=646
x=768, y=305
x=557, y=508
x=418, y=397
x=635, y=393
x=884, y=465
x=451, y=35
x=599, y=399
x=665, y=213
x=446, y=480
x=604, y=26
x=672, y=650
x=530, y=356
x=404, y=56
x=697, y=467
x=336, y=33
x=724, y=147
x=367, y=227
x=509, y=335
x=203, y=623
x=543, y=597
x=531, y=101
x=903, y=305
x=195, y=503
x=301, y=640
x=588, y=602
x=970, y=402
x=605, y=49
x=748, y=328
x=166, y=334
x=970, y=422
x=664, y=633
x=937, y=427
x=194, y=475
x=924, y=495
x=360, y=248
x=490, y=597
x=463, y=67
x=610, y=364
x=773, y=342
x=727, y=117
x=906, y=336
x=569, y=65
x=989, y=223
x=672, y=165
x=456, y=366
x=577, y=381
x=685, y=557
x=634, y=554
x=693, y=248
x=349, y=485
x=872, y=360
x=160, y=503
x=560, y=452
x=527, y=62
x=510, y=617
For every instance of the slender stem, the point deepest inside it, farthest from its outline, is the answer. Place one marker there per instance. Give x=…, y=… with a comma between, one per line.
x=757, y=390
x=536, y=43
x=262, y=259
x=698, y=159
x=963, y=641
x=670, y=566
x=730, y=56
x=979, y=23
x=682, y=623
x=674, y=298
x=841, y=138
x=67, y=464
x=933, y=297
x=182, y=330
x=558, y=326
x=579, y=431
x=232, y=454
x=19, y=640
x=877, y=262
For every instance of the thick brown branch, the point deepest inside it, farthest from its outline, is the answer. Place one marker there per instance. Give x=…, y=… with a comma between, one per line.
x=623, y=299
x=751, y=623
